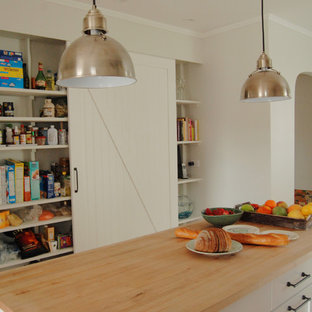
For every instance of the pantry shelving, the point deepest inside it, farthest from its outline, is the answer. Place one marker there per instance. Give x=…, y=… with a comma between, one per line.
x=188, y=145
x=35, y=202
x=28, y=105
x=36, y=258
x=31, y=224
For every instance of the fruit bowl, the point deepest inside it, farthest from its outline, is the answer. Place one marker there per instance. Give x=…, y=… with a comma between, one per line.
x=224, y=219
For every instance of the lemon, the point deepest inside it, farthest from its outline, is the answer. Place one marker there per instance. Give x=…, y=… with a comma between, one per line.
x=296, y=214
x=306, y=210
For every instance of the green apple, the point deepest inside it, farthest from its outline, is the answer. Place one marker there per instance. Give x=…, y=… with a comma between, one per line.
x=247, y=207
x=279, y=211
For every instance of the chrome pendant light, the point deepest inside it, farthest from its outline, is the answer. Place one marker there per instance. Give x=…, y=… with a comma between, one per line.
x=94, y=60
x=265, y=84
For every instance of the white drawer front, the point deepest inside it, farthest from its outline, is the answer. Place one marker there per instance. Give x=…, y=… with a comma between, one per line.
x=301, y=302
x=281, y=292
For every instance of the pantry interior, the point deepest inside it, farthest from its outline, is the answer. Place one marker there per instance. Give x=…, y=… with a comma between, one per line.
x=122, y=143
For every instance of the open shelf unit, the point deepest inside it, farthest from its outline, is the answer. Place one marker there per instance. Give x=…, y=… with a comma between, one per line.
x=27, y=106
x=188, y=108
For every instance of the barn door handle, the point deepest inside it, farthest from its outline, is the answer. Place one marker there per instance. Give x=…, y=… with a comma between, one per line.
x=76, y=176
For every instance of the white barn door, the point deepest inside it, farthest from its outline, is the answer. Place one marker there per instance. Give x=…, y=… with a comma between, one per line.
x=123, y=149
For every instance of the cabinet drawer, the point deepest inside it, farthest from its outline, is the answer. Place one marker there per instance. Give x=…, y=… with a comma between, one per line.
x=301, y=302
x=296, y=279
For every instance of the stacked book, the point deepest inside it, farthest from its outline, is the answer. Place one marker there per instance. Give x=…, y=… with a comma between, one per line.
x=187, y=129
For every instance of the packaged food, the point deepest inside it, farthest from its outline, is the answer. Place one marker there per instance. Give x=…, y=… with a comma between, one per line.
x=46, y=215
x=32, y=170
x=64, y=241
x=49, y=233
x=4, y=222
x=48, y=109
x=27, y=194
x=19, y=179
x=14, y=219
x=41, y=140
x=8, y=109
x=3, y=185
x=57, y=189
x=47, y=185
x=10, y=177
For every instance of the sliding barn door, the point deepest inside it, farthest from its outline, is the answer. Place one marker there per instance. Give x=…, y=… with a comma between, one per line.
x=123, y=154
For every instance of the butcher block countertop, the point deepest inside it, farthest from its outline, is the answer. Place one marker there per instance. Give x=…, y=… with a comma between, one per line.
x=150, y=273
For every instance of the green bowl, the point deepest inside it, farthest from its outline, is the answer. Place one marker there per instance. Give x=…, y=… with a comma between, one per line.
x=223, y=219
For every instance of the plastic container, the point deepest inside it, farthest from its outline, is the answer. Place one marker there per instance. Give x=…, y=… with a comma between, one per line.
x=48, y=108
x=52, y=136
x=41, y=140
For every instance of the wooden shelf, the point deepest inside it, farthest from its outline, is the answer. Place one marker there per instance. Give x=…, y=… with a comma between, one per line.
x=188, y=142
x=33, y=119
x=30, y=147
x=43, y=256
x=190, y=180
x=31, y=92
x=30, y=224
x=34, y=202
x=188, y=102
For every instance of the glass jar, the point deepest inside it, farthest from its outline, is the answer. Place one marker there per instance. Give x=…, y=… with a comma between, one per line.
x=185, y=207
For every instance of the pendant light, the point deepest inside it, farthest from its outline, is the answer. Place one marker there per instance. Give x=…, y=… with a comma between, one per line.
x=95, y=60
x=265, y=84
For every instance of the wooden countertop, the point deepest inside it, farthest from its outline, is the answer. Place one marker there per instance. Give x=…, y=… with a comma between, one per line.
x=150, y=273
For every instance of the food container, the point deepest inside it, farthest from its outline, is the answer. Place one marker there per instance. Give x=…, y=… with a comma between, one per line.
x=41, y=140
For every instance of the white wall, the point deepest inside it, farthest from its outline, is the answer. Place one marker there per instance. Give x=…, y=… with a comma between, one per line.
x=303, y=133
x=63, y=20
x=290, y=51
x=235, y=135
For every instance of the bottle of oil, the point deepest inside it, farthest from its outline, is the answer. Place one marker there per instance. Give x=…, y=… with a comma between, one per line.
x=50, y=81
x=40, y=81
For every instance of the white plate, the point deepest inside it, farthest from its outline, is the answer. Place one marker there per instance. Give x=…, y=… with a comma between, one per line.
x=291, y=235
x=236, y=247
x=241, y=228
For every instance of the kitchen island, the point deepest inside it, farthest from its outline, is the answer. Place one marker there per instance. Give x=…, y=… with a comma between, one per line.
x=151, y=273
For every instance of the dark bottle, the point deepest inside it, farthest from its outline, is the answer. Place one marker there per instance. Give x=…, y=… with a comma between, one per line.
x=25, y=77
x=40, y=80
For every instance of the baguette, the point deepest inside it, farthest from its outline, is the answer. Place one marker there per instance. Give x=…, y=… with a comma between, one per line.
x=186, y=233
x=261, y=239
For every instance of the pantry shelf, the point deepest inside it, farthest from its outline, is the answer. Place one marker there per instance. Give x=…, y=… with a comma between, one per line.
x=188, y=142
x=190, y=180
x=188, y=102
x=26, y=225
x=43, y=256
x=33, y=119
x=34, y=202
x=31, y=92
x=31, y=147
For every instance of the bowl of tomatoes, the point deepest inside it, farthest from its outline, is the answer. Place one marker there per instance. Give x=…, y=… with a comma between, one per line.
x=221, y=216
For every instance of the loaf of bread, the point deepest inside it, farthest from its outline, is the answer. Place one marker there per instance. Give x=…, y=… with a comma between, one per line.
x=213, y=240
x=261, y=239
x=186, y=233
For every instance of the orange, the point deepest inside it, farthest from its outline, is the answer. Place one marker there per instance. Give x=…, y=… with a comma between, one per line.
x=294, y=207
x=271, y=203
x=265, y=209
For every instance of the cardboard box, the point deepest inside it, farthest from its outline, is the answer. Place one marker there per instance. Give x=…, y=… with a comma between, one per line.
x=47, y=186
x=11, y=69
x=19, y=179
x=3, y=186
x=27, y=193
x=49, y=233
x=32, y=170
x=10, y=177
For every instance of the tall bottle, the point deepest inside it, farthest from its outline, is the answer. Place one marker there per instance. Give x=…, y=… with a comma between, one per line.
x=50, y=81
x=40, y=81
x=25, y=77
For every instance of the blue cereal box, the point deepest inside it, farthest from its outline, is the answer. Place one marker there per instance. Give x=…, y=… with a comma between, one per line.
x=11, y=69
x=10, y=177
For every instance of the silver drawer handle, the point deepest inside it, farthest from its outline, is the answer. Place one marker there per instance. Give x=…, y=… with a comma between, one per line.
x=306, y=300
x=304, y=275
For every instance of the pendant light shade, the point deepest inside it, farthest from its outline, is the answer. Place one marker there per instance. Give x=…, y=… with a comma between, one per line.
x=265, y=84
x=95, y=60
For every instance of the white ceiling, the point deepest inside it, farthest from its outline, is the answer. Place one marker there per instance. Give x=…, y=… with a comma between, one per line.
x=203, y=16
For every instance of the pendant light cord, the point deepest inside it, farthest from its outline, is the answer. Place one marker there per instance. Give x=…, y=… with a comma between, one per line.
x=262, y=23
x=94, y=3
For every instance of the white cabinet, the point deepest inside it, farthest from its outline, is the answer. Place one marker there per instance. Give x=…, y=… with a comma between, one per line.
x=188, y=137
x=27, y=105
x=292, y=291
x=123, y=150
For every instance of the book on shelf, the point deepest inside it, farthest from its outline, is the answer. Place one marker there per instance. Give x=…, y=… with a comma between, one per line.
x=187, y=129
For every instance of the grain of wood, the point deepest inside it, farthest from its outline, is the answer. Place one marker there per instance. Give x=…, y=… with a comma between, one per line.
x=150, y=273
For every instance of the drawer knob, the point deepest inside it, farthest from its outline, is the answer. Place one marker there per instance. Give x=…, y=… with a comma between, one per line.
x=304, y=275
x=306, y=300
